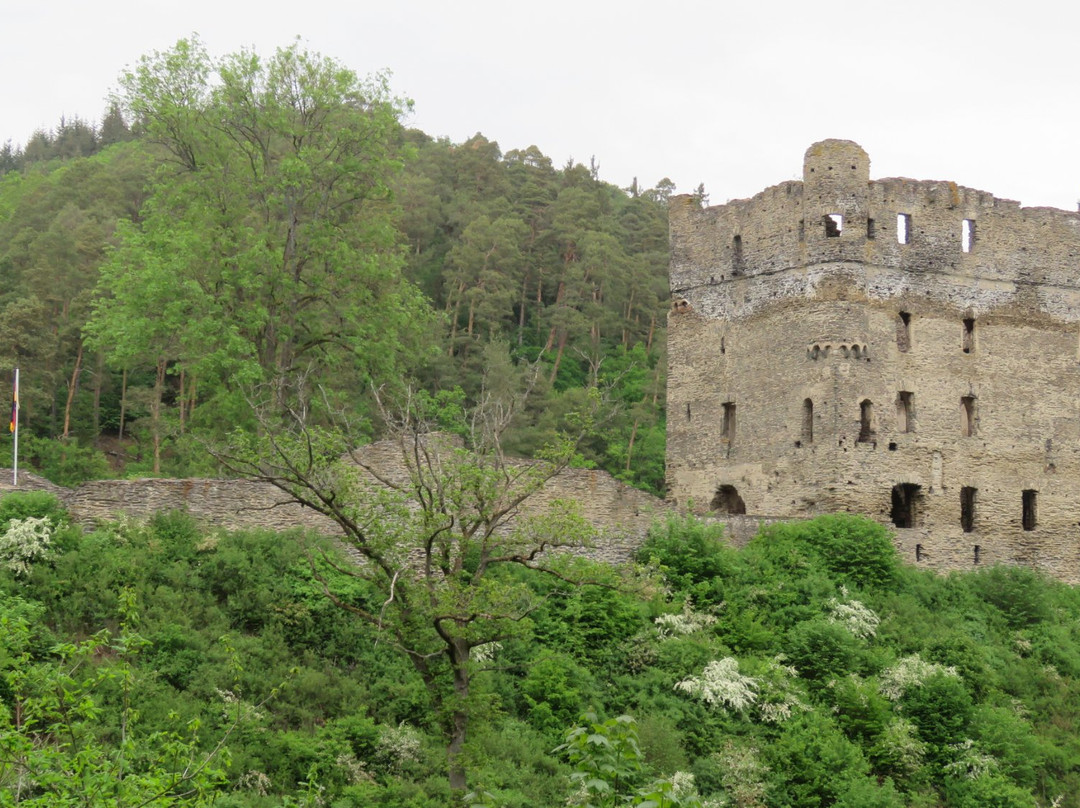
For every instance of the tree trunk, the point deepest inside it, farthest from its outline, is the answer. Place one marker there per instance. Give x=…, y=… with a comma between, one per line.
x=72, y=387
x=155, y=413
x=123, y=402
x=182, y=401
x=99, y=376
x=459, y=717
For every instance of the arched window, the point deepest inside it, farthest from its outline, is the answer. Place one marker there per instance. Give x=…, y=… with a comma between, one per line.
x=866, y=421
x=727, y=500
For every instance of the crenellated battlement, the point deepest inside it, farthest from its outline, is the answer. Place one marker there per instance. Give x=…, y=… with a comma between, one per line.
x=838, y=216
x=908, y=349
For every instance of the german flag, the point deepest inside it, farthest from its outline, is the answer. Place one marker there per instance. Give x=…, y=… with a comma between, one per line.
x=15, y=404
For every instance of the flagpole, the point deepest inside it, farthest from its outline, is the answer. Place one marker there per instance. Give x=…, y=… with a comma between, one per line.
x=15, y=431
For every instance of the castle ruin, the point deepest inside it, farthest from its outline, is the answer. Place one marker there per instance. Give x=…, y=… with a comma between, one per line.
x=909, y=350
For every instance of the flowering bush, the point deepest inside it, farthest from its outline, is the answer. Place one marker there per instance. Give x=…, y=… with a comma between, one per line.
x=687, y=622
x=25, y=541
x=857, y=618
x=721, y=685
x=911, y=671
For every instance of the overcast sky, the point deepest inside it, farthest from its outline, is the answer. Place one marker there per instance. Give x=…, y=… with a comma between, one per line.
x=729, y=94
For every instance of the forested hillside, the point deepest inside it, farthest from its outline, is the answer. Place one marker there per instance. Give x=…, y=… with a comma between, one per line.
x=234, y=224
x=164, y=665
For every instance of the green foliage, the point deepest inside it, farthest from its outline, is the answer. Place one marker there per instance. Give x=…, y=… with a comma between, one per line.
x=51, y=750
x=691, y=555
x=23, y=504
x=65, y=462
x=857, y=549
x=609, y=771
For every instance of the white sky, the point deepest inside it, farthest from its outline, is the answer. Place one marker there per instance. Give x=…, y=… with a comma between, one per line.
x=729, y=94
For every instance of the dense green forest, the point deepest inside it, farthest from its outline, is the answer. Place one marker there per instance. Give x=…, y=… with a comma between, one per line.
x=809, y=669
x=235, y=223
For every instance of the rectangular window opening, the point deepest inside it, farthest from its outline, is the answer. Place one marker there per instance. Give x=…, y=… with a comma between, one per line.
x=918, y=552
x=905, y=411
x=967, y=235
x=727, y=428
x=736, y=254
x=967, y=508
x=978, y=553
x=808, y=421
x=870, y=230
x=903, y=228
x=967, y=416
x=968, y=343
x=834, y=225
x=866, y=422
x=802, y=230
x=1030, y=512
x=905, y=498
x=903, y=332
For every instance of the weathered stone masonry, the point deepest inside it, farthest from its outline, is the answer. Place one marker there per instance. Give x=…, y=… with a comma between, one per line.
x=905, y=349
x=621, y=514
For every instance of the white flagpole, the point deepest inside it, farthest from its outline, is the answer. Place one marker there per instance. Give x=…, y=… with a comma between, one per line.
x=15, y=430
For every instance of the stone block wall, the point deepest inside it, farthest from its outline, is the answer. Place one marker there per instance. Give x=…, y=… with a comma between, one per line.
x=822, y=359
x=621, y=514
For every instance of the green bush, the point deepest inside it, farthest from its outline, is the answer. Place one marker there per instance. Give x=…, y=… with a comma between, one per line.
x=856, y=548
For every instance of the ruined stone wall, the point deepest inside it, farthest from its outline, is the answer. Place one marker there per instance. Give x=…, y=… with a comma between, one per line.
x=798, y=310
x=621, y=514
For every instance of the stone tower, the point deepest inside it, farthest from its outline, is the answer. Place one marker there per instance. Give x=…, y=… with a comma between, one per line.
x=904, y=349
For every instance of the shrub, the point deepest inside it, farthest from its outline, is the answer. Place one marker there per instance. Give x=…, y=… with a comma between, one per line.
x=856, y=548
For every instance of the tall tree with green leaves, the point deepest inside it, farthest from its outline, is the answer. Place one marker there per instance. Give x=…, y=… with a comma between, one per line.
x=270, y=224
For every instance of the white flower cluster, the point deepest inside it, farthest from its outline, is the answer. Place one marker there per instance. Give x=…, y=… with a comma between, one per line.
x=853, y=615
x=778, y=694
x=688, y=622
x=721, y=685
x=900, y=742
x=485, y=653
x=25, y=541
x=911, y=671
x=970, y=762
x=398, y=745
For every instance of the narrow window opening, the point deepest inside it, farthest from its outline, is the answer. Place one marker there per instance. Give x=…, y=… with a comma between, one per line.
x=871, y=233
x=968, y=343
x=967, y=235
x=903, y=228
x=967, y=416
x=688, y=411
x=918, y=552
x=808, y=421
x=978, y=553
x=802, y=230
x=967, y=508
x=866, y=421
x=1029, y=509
x=834, y=225
x=905, y=411
x=905, y=497
x=736, y=254
x=727, y=428
x=723, y=346
x=727, y=500
x=903, y=332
